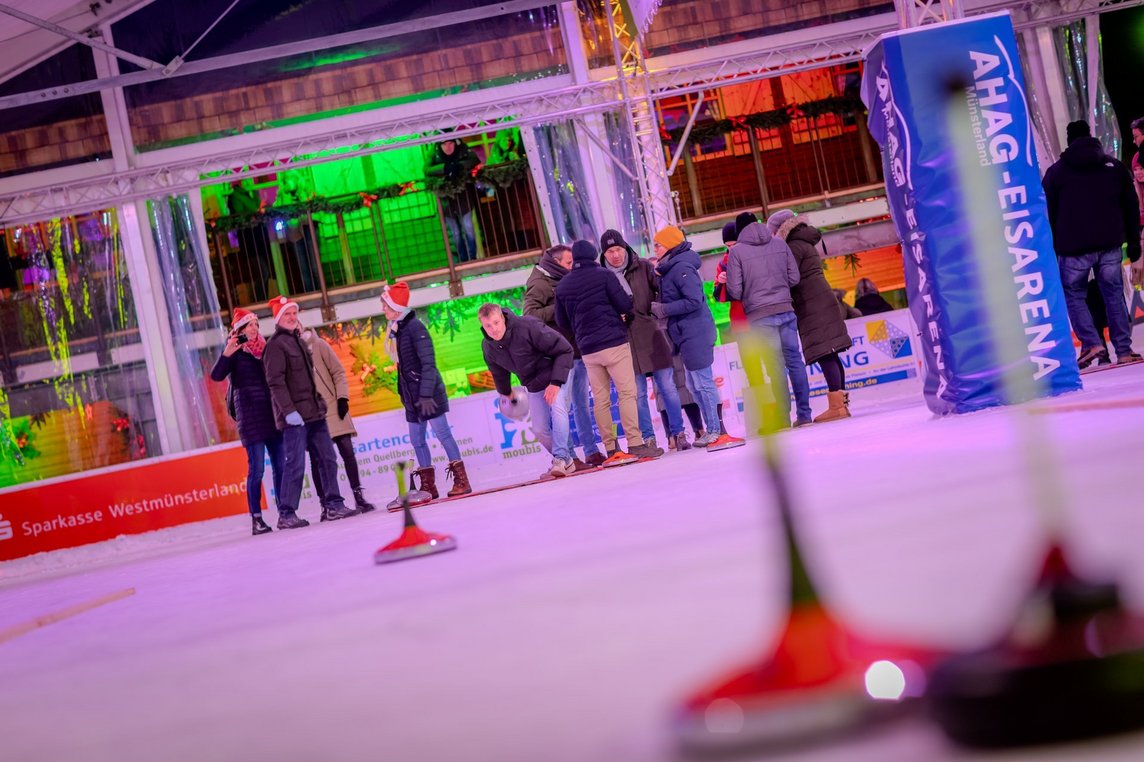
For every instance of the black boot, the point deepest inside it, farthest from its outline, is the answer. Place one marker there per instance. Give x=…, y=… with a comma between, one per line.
x=258, y=526
x=363, y=505
x=335, y=512
x=291, y=520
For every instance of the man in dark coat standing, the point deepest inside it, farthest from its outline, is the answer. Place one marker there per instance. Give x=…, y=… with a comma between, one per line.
x=540, y=303
x=422, y=393
x=821, y=330
x=591, y=303
x=300, y=415
x=1094, y=211
x=542, y=359
x=651, y=351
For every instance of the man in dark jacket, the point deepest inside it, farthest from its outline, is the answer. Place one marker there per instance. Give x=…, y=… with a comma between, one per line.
x=540, y=303
x=542, y=359
x=761, y=272
x=591, y=303
x=454, y=162
x=683, y=304
x=651, y=351
x=1093, y=210
x=300, y=415
x=422, y=393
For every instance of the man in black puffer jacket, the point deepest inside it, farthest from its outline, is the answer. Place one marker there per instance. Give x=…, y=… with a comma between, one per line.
x=542, y=359
x=300, y=415
x=591, y=303
x=1093, y=210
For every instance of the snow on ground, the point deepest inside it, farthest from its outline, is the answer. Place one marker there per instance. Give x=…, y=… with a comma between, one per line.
x=574, y=614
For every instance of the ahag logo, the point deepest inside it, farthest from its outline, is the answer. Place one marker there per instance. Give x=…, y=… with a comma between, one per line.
x=514, y=434
x=5, y=528
x=888, y=339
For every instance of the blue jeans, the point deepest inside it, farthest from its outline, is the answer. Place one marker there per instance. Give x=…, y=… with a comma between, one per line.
x=702, y=385
x=256, y=467
x=465, y=247
x=1110, y=281
x=665, y=388
x=781, y=333
x=577, y=386
x=444, y=434
x=550, y=423
x=314, y=436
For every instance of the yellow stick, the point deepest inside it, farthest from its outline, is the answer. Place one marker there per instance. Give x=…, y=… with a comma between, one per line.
x=42, y=621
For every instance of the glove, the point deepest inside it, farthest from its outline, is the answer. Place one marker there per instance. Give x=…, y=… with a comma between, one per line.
x=343, y=407
x=1136, y=272
x=658, y=310
x=295, y=419
x=427, y=407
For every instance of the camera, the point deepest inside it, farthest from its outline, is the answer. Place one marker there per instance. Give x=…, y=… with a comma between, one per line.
x=240, y=339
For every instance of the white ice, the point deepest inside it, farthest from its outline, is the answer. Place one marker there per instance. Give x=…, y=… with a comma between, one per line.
x=575, y=614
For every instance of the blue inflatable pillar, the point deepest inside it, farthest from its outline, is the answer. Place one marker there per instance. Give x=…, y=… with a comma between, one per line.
x=906, y=86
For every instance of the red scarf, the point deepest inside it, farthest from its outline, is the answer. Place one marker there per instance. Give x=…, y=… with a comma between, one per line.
x=255, y=346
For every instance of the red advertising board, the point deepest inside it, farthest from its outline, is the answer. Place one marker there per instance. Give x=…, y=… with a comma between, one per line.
x=130, y=499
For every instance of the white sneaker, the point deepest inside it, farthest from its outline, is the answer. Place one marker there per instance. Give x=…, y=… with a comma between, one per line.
x=562, y=467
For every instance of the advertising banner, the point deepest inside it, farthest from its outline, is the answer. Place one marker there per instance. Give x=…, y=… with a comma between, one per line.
x=906, y=86
x=127, y=499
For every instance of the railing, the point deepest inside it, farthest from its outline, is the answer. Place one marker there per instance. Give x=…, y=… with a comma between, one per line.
x=367, y=238
x=811, y=159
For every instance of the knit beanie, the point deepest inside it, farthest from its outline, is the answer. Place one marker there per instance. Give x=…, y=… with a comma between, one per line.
x=669, y=237
x=776, y=220
x=584, y=251
x=730, y=233
x=742, y=221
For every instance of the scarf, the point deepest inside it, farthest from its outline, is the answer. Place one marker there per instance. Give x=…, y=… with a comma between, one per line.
x=255, y=346
x=391, y=336
x=619, y=272
x=551, y=266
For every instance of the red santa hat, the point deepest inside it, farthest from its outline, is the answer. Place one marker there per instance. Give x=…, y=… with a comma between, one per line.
x=241, y=317
x=280, y=304
x=396, y=297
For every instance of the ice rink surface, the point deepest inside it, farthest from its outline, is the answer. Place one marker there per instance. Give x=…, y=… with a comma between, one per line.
x=575, y=614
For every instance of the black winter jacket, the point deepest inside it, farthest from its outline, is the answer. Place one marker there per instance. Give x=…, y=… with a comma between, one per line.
x=290, y=376
x=651, y=351
x=689, y=323
x=252, y=405
x=1092, y=202
x=417, y=374
x=538, y=355
x=590, y=302
x=820, y=329
x=540, y=300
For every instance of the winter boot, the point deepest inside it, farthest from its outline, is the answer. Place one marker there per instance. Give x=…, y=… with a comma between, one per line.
x=596, y=459
x=837, y=409
x=646, y=450
x=1128, y=358
x=680, y=442
x=363, y=505
x=258, y=526
x=291, y=520
x=581, y=465
x=460, y=477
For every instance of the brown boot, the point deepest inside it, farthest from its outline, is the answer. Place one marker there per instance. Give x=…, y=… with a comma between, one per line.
x=427, y=478
x=837, y=410
x=461, y=484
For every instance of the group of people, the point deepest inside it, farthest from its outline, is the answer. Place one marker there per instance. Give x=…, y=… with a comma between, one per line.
x=602, y=318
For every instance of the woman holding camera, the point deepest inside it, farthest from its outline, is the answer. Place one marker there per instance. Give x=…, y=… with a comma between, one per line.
x=241, y=361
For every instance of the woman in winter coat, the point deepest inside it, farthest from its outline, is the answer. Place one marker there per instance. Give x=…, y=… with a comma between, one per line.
x=241, y=362
x=690, y=327
x=821, y=331
x=867, y=300
x=422, y=392
x=330, y=380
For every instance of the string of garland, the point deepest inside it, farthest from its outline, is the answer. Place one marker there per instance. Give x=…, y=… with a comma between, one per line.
x=499, y=176
x=767, y=120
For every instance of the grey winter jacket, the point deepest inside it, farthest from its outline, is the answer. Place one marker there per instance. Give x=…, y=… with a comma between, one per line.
x=760, y=272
